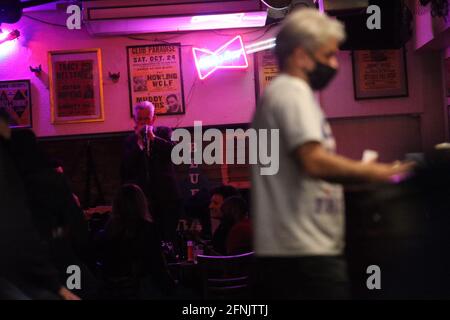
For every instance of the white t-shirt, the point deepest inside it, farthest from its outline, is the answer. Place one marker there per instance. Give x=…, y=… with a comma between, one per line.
x=295, y=214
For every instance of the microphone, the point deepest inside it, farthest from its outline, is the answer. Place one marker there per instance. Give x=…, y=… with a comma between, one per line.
x=145, y=130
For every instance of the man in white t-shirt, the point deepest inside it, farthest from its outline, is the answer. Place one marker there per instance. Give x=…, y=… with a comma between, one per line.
x=299, y=211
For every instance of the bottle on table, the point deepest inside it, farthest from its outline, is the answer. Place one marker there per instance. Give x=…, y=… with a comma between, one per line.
x=181, y=240
x=190, y=250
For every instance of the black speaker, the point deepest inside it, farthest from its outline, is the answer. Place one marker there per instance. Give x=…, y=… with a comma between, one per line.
x=396, y=20
x=10, y=11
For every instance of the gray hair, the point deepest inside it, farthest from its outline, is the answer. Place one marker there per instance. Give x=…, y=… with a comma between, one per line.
x=144, y=105
x=306, y=28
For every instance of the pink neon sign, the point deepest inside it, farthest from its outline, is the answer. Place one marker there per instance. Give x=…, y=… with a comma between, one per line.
x=229, y=56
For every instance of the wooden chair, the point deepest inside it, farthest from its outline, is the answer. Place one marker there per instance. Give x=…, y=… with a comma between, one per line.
x=226, y=277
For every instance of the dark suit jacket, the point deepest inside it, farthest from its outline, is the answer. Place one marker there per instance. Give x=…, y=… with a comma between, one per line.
x=49, y=195
x=161, y=186
x=135, y=254
x=24, y=257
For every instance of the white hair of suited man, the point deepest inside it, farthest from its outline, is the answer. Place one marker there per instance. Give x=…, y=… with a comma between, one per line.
x=144, y=105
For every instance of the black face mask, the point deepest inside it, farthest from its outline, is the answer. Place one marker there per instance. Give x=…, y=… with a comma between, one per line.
x=321, y=76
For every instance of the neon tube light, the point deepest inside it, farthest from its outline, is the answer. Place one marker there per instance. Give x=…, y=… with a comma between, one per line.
x=232, y=55
x=108, y=27
x=229, y=56
x=259, y=43
x=219, y=18
x=260, y=46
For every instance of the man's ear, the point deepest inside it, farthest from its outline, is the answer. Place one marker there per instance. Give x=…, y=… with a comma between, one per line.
x=300, y=56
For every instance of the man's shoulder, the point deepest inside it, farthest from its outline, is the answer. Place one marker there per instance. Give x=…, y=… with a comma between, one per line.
x=285, y=89
x=163, y=132
x=287, y=83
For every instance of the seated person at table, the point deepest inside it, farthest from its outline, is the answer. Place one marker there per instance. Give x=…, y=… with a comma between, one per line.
x=219, y=228
x=54, y=212
x=239, y=239
x=133, y=262
x=26, y=268
x=218, y=196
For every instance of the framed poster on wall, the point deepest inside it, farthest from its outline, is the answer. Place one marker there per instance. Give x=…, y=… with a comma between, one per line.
x=76, y=86
x=266, y=68
x=154, y=74
x=238, y=173
x=15, y=98
x=379, y=74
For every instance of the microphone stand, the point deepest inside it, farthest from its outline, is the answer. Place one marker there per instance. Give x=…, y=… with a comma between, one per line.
x=146, y=142
x=146, y=154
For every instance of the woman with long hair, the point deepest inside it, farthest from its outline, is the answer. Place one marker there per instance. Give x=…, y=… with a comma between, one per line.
x=133, y=262
x=130, y=210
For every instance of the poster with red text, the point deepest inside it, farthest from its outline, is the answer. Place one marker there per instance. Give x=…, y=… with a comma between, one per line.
x=154, y=74
x=380, y=74
x=266, y=69
x=76, y=86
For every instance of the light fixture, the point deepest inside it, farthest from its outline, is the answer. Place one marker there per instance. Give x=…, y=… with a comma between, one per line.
x=260, y=45
x=110, y=27
x=281, y=5
x=9, y=36
x=223, y=18
x=232, y=55
x=276, y=5
x=7, y=43
x=229, y=56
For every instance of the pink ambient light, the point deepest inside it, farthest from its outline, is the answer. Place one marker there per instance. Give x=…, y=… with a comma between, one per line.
x=229, y=56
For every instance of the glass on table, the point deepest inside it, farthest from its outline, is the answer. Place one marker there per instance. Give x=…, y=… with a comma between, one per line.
x=198, y=250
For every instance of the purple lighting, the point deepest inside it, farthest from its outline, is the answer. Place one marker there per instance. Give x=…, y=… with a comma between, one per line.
x=229, y=56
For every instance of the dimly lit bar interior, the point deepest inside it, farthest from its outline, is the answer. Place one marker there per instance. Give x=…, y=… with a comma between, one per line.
x=245, y=150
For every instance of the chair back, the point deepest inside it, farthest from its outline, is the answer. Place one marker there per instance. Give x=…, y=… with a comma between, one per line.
x=226, y=277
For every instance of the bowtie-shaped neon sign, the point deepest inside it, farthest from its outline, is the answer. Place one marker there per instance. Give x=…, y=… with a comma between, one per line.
x=232, y=55
x=229, y=56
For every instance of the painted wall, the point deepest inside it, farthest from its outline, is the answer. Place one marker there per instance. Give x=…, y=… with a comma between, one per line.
x=224, y=98
x=229, y=97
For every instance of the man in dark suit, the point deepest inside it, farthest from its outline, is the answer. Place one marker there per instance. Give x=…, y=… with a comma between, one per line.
x=26, y=270
x=147, y=163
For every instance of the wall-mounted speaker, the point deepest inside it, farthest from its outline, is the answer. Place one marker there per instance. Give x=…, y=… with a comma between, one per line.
x=10, y=11
x=395, y=31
